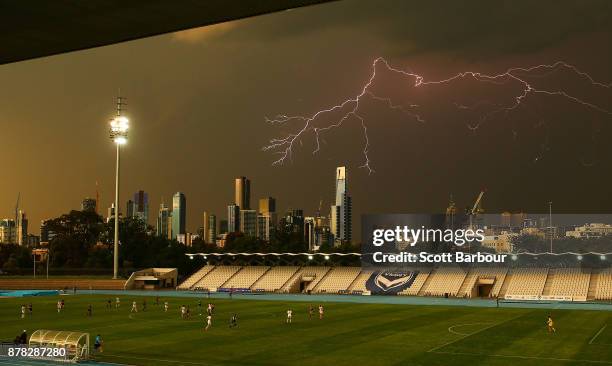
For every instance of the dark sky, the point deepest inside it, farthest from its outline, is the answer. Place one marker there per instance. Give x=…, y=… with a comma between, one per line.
x=198, y=102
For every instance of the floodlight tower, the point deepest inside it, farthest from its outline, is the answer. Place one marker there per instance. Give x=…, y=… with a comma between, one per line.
x=119, y=126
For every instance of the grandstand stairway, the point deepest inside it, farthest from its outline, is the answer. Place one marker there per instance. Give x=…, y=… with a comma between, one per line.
x=593, y=284
x=548, y=284
x=359, y=283
x=504, y=286
x=468, y=283
x=426, y=283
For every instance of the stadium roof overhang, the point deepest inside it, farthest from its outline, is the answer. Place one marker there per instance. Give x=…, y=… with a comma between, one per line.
x=31, y=29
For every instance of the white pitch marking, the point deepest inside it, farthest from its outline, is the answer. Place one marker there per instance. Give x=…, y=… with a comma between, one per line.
x=597, y=334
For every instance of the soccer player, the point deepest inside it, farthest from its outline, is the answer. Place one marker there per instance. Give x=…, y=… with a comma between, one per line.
x=310, y=311
x=208, y=322
x=89, y=310
x=166, y=306
x=144, y=305
x=289, y=316
x=134, y=307
x=117, y=303
x=233, y=321
x=30, y=309
x=23, y=310
x=183, y=311
x=321, y=310
x=109, y=304
x=59, y=306
x=209, y=309
x=200, y=307
x=551, y=325
x=98, y=344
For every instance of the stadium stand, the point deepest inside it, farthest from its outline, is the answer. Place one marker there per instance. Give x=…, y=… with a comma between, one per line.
x=418, y=283
x=478, y=275
x=359, y=284
x=274, y=279
x=603, y=289
x=337, y=279
x=246, y=277
x=194, y=278
x=216, y=277
x=572, y=282
x=305, y=279
x=444, y=281
x=517, y=283
x=527, y=282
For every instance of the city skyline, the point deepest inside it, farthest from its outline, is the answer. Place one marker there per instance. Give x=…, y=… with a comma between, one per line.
x=202, y=122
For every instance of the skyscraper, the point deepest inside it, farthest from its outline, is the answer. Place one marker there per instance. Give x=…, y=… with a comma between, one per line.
x=162, y=221
x=267, y=204
x=8, y=232
x=141, y=206
x=266, y=220
x=243, y=193
x=211, y=230
x=130, y=209
x=233, y=218
x=341, y=211
x=88, y=205
x=179, y=214
x=22, y=228
x=248, y=222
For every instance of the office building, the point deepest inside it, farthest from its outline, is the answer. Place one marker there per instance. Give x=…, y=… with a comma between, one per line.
x=140, y=207
x=243, y=193
x=179, y=214
x=8, y=231
x=248, y=222
x=223, y=226
x=88, y=204
x=266, y=205
x=341, y=211
x=163, y=218
x=233, y=219
x=22, y=228
x=209, y=231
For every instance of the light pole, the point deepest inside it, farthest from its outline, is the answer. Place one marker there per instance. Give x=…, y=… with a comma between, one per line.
x=119, y=126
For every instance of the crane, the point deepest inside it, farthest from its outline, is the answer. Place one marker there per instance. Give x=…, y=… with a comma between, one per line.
x=476, y=209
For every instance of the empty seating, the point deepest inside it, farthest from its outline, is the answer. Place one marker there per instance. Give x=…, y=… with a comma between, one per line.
x=359, y=284
x=191, y=280
x=527, y=282
x=604, y=285
x=215, y=278
x=570, y=282
x=246, y=277
x=418, y=283
x=445, y=281
x=338, y=279
x=275, y=278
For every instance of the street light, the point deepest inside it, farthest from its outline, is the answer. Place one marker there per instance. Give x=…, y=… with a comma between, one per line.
x=119, y=127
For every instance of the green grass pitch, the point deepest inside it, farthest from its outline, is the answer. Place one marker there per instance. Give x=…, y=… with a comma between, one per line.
x=350, y=334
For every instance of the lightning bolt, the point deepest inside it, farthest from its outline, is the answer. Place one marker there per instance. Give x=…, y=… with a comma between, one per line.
x=349, y=109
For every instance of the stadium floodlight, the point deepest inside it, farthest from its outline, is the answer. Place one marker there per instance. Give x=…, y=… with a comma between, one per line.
x=602, y=257
x=514, y=257
x=191, y=257
x=310, y=257
x=579, y=257
x=327, y=257
x=119, y=127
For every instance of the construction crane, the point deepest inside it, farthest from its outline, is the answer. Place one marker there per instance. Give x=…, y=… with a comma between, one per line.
x=476, y=209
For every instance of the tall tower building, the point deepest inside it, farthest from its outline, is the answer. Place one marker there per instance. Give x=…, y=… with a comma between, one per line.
x=89, y=205
x=22, y=228
x=243, y=193
x=179, y=214
x=248, y=222
x=141, y=206
x=267, y=205
x=341, y=211
x=162, y=221
x=233, y=218
x=211, y=229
